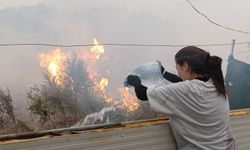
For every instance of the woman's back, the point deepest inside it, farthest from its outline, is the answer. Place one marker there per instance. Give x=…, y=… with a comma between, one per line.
x=199, y=115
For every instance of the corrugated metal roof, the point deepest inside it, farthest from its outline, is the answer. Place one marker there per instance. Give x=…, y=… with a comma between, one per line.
x=241, y=129
x=141, y=135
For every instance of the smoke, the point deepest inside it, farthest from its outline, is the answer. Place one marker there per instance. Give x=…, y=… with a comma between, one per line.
x=142, y=21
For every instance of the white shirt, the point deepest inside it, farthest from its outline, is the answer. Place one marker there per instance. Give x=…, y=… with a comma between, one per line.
x=199, y=116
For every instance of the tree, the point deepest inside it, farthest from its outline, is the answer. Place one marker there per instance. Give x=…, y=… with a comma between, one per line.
x=6, y=109
x=53, y=105
x=8, y=122
x=63, y=105
x=82, y=86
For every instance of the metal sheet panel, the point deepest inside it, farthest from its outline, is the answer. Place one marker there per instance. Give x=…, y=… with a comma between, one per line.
x=142, y=135
x=156, y=137
x=241, y=129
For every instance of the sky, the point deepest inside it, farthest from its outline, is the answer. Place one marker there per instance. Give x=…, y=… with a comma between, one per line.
x=114, y=21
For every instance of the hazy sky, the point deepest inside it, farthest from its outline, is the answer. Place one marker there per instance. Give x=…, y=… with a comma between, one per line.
x=114, y=21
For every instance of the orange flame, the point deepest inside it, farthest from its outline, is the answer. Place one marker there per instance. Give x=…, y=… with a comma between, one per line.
x=54, y=63
x=101, y=87
x=129, y=101
x=97, y=49
x=103, y=84
x=90, y=58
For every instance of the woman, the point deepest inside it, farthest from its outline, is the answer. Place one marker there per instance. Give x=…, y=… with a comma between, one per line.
x=196, y=102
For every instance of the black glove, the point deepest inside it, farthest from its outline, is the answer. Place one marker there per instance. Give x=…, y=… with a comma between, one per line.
x=134, y=80
x=140, y=90
x=168, y=76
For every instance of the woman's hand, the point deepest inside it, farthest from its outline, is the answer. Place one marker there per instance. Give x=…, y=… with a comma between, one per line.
x=133, y=80
x=140, y=90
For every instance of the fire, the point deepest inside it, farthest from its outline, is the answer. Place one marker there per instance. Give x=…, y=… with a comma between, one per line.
x=129, y=101
x=90, y=58
x=54, y=63
x=101, y=88
x=97, y=49
x=103, y=84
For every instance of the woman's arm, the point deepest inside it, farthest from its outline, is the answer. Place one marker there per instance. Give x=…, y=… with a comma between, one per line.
x=140, y=90
x=169, y=76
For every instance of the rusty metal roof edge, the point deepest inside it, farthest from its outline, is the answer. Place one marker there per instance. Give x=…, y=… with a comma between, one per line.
x=240, y=112
x=58, y=132
x=137, y=123
x=55, y=132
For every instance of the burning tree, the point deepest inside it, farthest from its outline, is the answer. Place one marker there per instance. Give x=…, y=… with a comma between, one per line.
x=74, y=88
x=82, y=86
x=123, y=108
x=66, y=95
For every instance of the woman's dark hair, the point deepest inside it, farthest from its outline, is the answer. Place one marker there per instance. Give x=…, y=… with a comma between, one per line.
x=202, y=63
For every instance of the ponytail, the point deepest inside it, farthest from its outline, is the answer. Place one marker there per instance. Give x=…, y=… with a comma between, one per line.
x=215, y=73
x=202, y=63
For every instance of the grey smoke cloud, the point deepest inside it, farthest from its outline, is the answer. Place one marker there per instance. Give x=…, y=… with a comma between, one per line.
x=110, y=21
